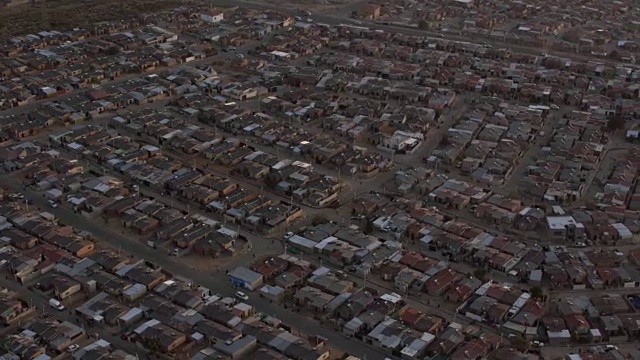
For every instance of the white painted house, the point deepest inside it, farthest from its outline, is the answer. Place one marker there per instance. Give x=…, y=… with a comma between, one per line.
x=212, y=17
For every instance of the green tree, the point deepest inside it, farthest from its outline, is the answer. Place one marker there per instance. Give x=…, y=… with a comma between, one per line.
x=153, y=345
x=480, y=273
x=616, y=122
x=368, y=227
x=520, y=343
x=537, y=293
x=319, y=220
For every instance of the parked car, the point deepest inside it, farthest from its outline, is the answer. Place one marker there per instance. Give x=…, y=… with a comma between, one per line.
x=73, y=347
x=242, y=296
x=56, y=304
x=52, y=203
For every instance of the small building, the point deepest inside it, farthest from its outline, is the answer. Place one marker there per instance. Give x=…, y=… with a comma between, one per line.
x=245, y=278
x=238, y=348
x=273, y=293
x=212, y=17
x=535, y=279
x=134, y=292
x=64, y=288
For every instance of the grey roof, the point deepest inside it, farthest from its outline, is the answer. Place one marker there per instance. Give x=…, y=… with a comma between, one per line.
x=245, y=274
x=246, y=342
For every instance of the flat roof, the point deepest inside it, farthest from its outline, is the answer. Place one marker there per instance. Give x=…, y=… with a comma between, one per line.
x=560, y=222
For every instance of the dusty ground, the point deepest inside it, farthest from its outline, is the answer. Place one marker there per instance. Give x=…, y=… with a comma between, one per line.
x=67, y=14
x=314, y=6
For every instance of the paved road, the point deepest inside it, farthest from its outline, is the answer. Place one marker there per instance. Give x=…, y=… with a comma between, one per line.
x=216, y=282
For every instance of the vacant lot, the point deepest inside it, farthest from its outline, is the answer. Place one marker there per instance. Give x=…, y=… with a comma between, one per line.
x=324, y=6
x=67, y=14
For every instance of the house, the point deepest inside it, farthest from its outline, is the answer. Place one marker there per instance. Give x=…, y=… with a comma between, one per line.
x=212, y=16
x=81, y=248
x=13, y=310
x=57, y=335
x=420, y=321
x=474, y=349
x=64, y=287
x=245, y=278
x=565, y=227
x=155, y=335
x=441, y=282
x=237, y=349
x=463, y=290
x=216, y=332
x=314, y=299
x=529, y=314
x=577, y=324
x=148, y=277
x=20, y=240
x=109, y=261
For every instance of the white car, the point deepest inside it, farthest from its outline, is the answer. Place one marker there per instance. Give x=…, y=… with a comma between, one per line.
x=56, y=304
x=242, y=296
x=288, y=235
x=52, y=203
x=73, y=347
x=20, y=196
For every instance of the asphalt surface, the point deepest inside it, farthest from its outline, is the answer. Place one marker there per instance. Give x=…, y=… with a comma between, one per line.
x=215, y=282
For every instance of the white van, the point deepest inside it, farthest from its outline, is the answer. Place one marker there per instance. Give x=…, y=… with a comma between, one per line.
x=56, y=304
